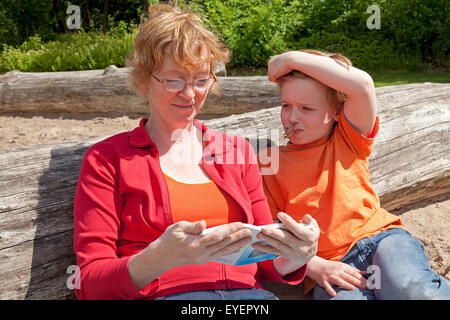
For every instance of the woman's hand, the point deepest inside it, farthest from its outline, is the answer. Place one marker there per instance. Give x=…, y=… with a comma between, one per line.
x=184, y=245
x=295, y=246
x=328, y=273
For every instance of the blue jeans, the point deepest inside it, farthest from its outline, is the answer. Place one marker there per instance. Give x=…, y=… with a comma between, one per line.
x=397, y=269
x=229, y=294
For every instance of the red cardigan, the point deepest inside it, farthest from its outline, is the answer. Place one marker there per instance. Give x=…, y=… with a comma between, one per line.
x=122, y=204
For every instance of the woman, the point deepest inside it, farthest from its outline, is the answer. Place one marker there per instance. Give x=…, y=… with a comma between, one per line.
x=144, y=196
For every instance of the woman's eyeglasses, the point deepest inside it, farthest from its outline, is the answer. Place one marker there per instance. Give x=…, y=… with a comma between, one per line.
x=200, y=85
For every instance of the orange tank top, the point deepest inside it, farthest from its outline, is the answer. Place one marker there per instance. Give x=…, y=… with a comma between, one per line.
x=203, y=201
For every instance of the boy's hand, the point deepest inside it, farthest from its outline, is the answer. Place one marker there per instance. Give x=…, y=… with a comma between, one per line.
x=280, y=65
x=328, y=273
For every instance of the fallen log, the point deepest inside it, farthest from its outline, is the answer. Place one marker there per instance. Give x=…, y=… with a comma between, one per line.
x=107, y=91
x=410, y=159
x=410, y=162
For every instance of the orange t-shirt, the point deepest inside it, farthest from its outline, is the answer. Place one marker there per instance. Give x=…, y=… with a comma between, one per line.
x=203, y=201
x=329, y=179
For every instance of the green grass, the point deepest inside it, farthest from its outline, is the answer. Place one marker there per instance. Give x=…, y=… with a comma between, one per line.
x=380, y=78
x=393, y=78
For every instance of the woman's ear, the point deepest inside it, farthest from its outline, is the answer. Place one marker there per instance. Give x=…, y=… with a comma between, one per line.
x=143, y=87
x=138, y=86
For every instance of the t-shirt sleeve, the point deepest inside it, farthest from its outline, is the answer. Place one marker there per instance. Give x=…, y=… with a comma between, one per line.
x=356, y=141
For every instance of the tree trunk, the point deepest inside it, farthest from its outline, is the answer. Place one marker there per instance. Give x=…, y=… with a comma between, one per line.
x=107, y=91
x=88, y=23
x=410, y=162
x=105, y=16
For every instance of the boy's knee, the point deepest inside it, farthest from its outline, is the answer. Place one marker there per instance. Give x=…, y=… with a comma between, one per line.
x=405, y=272
x=416, y=289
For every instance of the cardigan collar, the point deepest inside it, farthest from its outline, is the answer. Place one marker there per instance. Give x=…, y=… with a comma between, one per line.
x=139, y=137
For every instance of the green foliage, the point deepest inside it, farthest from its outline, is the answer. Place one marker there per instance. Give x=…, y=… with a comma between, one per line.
x=77, y=51
x=253, y=30
x=22, y=19
x=413, y=33
x=419, y=27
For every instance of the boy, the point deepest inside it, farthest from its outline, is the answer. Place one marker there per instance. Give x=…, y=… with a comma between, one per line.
x=329, y=115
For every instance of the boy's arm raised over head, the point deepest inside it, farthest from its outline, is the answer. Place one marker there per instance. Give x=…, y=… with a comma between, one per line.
x=356, y=84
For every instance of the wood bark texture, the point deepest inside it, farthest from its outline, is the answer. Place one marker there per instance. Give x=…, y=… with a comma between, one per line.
x=410, y=162
x=106, y=91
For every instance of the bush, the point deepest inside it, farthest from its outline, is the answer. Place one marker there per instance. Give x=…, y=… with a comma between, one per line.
x=412, y=34
x=419, y=28
x=253, y=30
x=368, y=53
x=21, y=19
x=72, y=51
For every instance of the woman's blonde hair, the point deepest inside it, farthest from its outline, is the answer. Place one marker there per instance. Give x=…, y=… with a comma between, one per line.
x=335, y=98
x=179, y=34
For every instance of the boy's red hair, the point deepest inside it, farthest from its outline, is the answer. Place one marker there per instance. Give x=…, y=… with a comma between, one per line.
x=335, y=98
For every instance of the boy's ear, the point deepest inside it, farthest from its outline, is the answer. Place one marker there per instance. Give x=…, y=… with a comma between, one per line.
x=336, y=114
